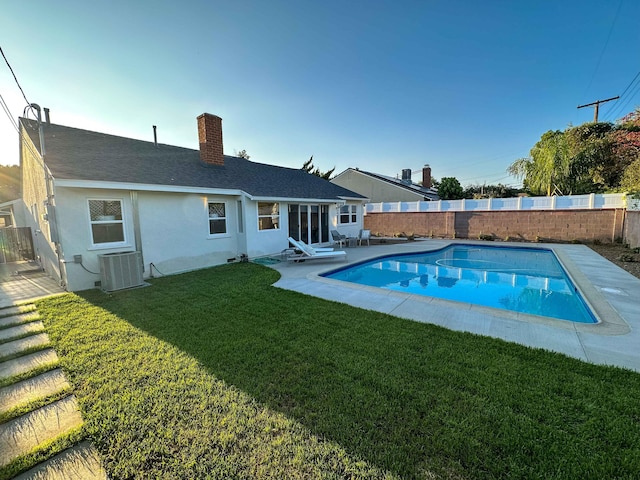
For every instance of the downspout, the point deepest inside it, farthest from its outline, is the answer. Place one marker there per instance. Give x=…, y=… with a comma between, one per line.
x=137, y=236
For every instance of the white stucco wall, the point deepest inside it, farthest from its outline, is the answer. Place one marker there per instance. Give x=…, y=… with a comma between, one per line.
x=350, y=229
x=265, y=242
x=34, y=196
x=74, y=230
x=173, y=231
x=272, y=242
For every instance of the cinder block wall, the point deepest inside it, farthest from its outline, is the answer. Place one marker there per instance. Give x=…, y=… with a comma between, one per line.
x=557, y=225
x=632, y=229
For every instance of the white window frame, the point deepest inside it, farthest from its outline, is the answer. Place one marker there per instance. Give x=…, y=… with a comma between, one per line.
x=106, y=245
x=352, y=214
x=275, y=217
x=225, y=218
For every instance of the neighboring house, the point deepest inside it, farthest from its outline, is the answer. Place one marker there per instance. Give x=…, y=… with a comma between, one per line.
x=87, y=194
x=380, y=188
x=11, y=213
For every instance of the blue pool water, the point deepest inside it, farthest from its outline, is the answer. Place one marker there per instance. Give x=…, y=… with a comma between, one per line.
x=528, y=280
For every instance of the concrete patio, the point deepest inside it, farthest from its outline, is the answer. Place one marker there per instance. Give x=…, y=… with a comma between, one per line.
x=611, y=292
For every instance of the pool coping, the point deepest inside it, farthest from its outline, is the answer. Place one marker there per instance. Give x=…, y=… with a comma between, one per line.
x=611, y=341
x=609, y=322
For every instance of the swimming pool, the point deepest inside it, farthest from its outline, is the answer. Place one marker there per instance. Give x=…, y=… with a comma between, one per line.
x=527, y=280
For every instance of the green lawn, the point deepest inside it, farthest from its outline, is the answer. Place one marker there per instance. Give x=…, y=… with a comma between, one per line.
x=217, y=374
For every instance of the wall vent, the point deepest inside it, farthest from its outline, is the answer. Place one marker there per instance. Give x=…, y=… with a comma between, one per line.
x=120, y=270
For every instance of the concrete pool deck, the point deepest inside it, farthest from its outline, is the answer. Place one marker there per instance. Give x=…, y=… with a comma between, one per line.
x=613, y=294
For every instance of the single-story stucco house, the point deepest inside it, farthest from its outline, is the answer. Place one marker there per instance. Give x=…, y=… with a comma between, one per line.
x=103, y=207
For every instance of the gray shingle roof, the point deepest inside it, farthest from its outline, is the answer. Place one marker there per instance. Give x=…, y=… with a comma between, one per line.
x=75, y=154
x=428, y=193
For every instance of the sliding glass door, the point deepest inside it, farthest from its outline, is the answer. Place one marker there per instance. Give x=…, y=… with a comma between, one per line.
x=309, y=223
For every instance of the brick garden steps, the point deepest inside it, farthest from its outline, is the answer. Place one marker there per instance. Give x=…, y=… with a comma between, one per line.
x=23, y=434
x=31, y=389
x=18, y=319
x=20, y=330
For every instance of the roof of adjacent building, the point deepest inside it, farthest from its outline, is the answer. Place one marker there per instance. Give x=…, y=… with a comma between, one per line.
x=428, y=193
x=76, y=154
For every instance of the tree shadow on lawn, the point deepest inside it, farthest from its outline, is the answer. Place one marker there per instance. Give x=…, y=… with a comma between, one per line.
x=406, y=397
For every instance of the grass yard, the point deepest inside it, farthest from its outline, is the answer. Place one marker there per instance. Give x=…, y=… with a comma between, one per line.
x=217, y=374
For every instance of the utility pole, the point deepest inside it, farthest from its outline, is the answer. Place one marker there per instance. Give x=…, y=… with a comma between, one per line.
x=597, y=105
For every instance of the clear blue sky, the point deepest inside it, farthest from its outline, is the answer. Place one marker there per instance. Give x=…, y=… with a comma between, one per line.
x=465, y=86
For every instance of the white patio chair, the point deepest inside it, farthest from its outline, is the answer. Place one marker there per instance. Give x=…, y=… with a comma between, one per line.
x=310, y=253
x=364, y=235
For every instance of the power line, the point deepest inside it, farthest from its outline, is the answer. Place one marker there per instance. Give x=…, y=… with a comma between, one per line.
x=14, y=76
x=606, y=43
x=618, y=107
x=630, y=97
x=5, y=107
x=16, y=127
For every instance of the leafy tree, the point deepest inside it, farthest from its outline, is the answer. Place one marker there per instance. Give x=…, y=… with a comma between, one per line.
x=309, y=168
x=578, y=160
x=630, y=181
x=627, y=149
x=243, y=154
x=546, y=166
x=593, y=165
x=489, y=191
x=450, y=189
x=10, y=177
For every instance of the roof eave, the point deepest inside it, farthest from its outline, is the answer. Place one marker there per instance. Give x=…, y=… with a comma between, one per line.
x=356, y=199
x=146, y=187
x=266, y=198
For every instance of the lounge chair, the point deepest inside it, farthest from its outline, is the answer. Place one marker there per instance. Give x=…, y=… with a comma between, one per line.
x=338, y=238
x=364, y=235
x=310, y=253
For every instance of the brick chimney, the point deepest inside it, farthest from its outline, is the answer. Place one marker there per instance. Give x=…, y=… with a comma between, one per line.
x=426, y=176
x=210, y=136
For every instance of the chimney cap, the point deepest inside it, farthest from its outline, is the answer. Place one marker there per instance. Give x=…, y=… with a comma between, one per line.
x=205, y=114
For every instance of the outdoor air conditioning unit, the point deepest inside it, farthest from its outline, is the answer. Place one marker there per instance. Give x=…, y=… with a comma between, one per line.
x=120, y=270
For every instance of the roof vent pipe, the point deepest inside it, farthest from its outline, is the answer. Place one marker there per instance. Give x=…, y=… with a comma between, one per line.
x=155, y=137
x=46, y=116
x=36, y=107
